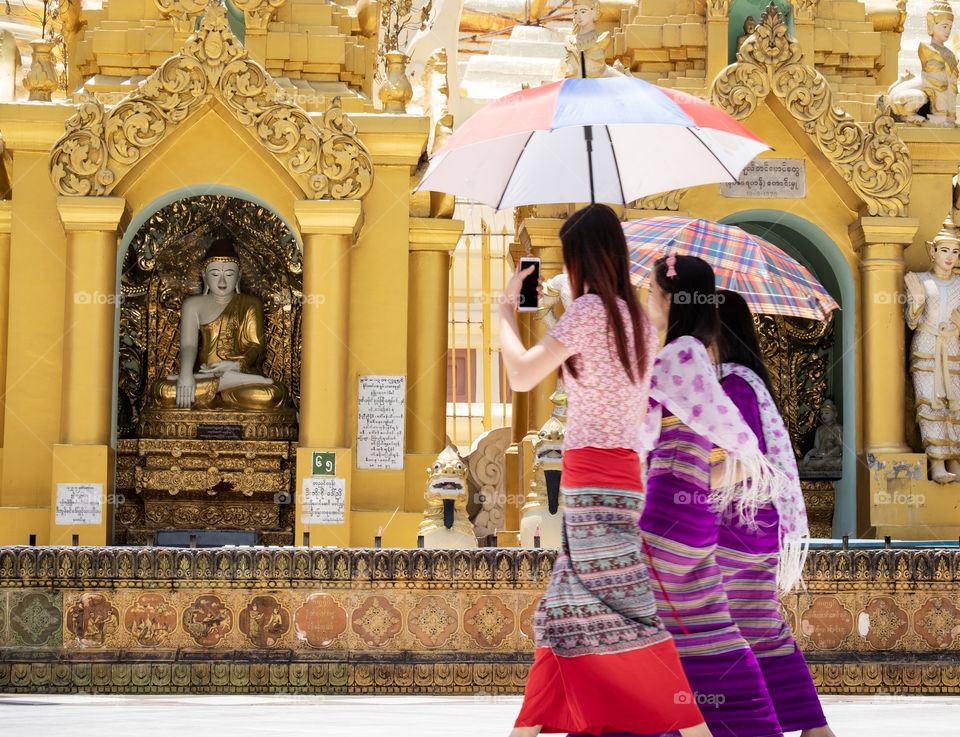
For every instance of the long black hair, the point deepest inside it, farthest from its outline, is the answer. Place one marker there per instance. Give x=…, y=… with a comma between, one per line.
x=738, y=338
x=595, y=254
x=693, y=299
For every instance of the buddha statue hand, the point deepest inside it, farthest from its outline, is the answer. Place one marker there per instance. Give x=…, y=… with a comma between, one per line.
x=186, y=390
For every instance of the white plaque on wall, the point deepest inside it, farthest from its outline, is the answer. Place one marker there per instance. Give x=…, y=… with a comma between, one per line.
x=380, y=418
x=79, y=504
x=324, y=500
x=770, y=178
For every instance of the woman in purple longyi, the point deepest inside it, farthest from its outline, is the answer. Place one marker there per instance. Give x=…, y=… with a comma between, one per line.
x=759, y=563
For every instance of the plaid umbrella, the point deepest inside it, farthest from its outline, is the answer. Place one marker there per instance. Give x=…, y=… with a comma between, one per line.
x=769, y=280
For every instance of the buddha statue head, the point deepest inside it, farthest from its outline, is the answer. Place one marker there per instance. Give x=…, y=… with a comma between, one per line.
x=828, y=412
x=944, y=249
x=940, y=21
x=586, y=13
x=221, y=268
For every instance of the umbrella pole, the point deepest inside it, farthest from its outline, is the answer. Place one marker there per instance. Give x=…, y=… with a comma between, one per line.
x=588, y=132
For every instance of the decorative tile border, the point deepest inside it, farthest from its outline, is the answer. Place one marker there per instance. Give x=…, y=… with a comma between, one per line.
x=128, y=620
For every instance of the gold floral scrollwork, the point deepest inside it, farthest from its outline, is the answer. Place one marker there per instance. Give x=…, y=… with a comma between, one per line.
x=664, y=201
x=181, y=12
x=805, y=9
x=325, y=157
x=873, y=159
x=718, y=8
x=79, y=163
x=258, y=13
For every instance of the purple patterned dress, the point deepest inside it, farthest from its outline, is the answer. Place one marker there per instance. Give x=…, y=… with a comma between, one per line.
x=681, y=529
x=748, y=560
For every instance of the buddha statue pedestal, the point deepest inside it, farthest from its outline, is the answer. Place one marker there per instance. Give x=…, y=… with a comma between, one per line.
x=820, y=499
x=179, y=482
x=210, y=469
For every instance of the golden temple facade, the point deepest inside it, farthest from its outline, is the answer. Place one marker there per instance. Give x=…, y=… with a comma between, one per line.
x=152, y=126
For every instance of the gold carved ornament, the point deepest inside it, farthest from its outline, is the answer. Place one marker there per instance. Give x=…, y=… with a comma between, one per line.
x=718, y=8
x=258, y=13
x=796, y=353
x=873, y=160
x=181, y=12
x=663, y=201
x=805, y=9
x=328, y=160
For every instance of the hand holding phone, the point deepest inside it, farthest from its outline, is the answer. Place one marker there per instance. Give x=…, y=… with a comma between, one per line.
x=529, y=298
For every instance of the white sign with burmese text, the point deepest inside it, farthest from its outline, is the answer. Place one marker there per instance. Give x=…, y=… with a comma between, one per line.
x=79, y=504
x=324, y=500
x=770, y=179
x=380, y=418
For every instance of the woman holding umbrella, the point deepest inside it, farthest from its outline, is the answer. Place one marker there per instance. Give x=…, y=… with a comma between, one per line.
x=758, y=561
x=689, y=487
x=597, y=629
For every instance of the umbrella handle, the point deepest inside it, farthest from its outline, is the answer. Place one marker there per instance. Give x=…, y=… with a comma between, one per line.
x=588, y=132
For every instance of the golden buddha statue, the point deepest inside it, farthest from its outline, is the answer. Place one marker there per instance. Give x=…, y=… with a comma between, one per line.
x=587, y=46
x=231, y=343
x=935, y=91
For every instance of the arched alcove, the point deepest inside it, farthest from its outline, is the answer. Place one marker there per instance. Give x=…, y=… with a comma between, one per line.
x=814, y=249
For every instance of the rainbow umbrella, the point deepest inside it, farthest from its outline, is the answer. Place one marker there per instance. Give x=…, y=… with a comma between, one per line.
x=770, y=281
x=609, y=139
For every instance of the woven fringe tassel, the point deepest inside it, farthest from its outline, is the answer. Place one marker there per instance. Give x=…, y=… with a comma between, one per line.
x=762, y=482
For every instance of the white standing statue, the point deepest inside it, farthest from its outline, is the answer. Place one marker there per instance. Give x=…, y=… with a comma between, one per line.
x=931, y=98
x=933, y=312
x=587, y=46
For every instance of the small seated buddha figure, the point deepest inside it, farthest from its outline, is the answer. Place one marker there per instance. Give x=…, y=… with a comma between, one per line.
x=224, y=362
x=826, y=455
x=749, y=26
x=935, y=91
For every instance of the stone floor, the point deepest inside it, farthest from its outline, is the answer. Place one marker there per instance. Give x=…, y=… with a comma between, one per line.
x=378, y=716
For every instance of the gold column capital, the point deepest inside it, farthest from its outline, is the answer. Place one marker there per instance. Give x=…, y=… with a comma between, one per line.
x=881, y=230
x=434, y=234
x=91, y=213
x=539, y=232
x=541, y=237
x=393, y=139
x=6, y=216
x=329, y=217
x=34, y=128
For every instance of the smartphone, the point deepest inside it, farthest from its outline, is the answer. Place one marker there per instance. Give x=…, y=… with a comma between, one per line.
x=529, y=299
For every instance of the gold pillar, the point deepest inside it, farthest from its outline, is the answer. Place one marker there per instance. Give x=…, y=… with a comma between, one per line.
x=538, y=237
x=541, y=237
x=717, y=42
x=432, y=241
x=804, y=32
x=6, y=220
x=329, y=229
x=84, y=454
x=881, y=241
x=255, y=41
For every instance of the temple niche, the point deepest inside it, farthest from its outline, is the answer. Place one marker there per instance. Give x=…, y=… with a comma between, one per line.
x=224, y=462
x=799, y=355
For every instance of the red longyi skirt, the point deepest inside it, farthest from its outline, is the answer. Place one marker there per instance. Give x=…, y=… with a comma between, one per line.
x=604, y=662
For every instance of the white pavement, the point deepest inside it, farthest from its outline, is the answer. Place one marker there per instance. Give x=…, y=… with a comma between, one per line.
x=386, y=716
